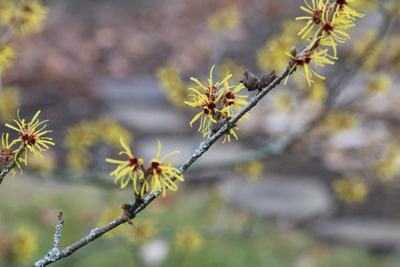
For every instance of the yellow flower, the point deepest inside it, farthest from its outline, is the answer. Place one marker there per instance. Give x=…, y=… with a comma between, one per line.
x=206, y=97
x=302, y=62
x=233, y=101
x=315, y=10
x=350, y=189
x=348, y=11
x=218, y=102
x=333, y=28
x=7, y=57
x=162, y=175
x=130, y=169
x=32, y=135
x=188, y=240
x=29, y=17
x=231, y=132
x=158, y=177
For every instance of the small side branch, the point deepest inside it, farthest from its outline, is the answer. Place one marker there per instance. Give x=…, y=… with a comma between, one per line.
x=56, y=254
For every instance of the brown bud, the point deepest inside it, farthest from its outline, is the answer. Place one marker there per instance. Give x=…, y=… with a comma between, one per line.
x=250, y=81
x=267, y=79
x=293, y=51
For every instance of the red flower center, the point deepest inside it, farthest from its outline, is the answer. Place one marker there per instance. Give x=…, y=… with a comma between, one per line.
x=328, y=28
x=28, y=139
x=155, y=167
x=134, y=162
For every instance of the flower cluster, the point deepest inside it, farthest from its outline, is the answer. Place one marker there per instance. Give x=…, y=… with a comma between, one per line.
x=157, y=177
x=32, y=138
x=218, y=102
x=17, y=18
x=327, y=22
x=24, y=17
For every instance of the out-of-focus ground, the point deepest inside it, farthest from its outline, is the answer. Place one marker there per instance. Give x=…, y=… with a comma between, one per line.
x=99, y=57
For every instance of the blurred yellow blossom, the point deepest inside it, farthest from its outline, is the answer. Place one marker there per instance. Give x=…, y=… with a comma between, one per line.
x=272, y=55
x=142, y=232
x=110, y=131
x=386, y=169
x=378, y=84
x=350, y=189
x=81, y=136
x=372, y=56
x=226, y=18
x=283, y=100
x=365, y=5
x=252, y=169
x=27, y=17
x=9, y=102
x=77, y=159
x=110, y=213
x=188, y=240
x=388, y=165
x=170, y=80
x=317, y=92
x=24, y=244
x=7, y=57
x=340, y=120
x=230, y=66
x=80, y=139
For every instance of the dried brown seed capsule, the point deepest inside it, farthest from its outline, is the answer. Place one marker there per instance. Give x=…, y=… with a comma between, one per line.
x=266, y=79
x=250, y=81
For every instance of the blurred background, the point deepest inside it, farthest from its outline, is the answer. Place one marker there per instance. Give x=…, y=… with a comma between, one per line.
x=312, y=180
